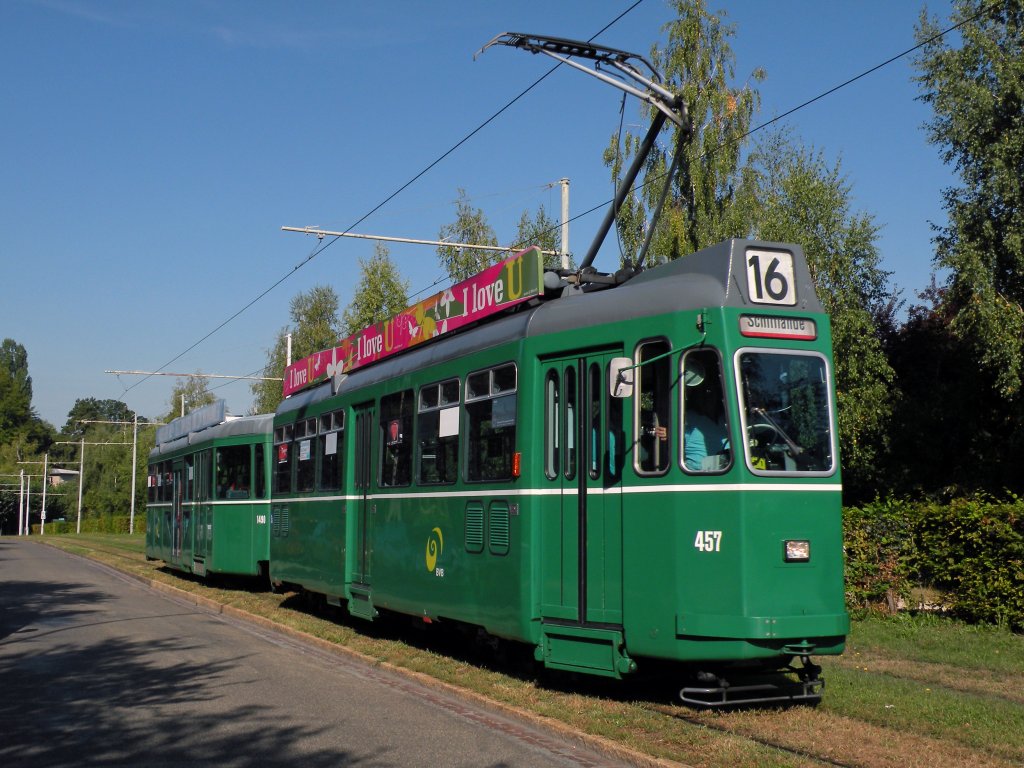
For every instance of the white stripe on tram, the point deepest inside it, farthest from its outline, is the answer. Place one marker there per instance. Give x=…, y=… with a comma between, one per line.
x=534, y=492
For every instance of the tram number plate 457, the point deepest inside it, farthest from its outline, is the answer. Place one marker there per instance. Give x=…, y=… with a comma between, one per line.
x=708, y=541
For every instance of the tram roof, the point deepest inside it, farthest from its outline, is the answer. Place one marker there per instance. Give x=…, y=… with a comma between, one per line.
x=712, y=277
x=236, y=427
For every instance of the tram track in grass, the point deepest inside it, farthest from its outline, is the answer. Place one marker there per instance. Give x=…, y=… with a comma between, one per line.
x=887, y=704
x=688, y=717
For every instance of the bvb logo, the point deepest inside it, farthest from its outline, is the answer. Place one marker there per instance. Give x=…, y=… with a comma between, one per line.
x=435, y=546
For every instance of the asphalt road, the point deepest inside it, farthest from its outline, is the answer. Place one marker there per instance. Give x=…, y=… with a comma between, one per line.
x=96, y=669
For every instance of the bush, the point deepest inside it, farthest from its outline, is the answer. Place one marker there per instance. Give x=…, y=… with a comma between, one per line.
x=879, y=543
x=972, y=550
x=104, y=524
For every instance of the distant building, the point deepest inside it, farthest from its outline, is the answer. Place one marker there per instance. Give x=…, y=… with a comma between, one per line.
x=61, y=476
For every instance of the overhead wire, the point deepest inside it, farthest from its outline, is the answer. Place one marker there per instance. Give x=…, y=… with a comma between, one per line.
x=829, y=92
x=324, y=246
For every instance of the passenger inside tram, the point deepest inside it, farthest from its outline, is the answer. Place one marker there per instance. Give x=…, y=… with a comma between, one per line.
x=705, y=436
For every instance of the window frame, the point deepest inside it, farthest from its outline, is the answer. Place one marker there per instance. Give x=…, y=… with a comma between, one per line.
x=406, y=417
x=830, y=402
x=470, y=403
x=638, y=426
x=439, y=405
x=332, y=422
x=724, y=404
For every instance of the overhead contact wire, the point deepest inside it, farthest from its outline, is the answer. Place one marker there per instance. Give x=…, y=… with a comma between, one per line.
x=317, y=251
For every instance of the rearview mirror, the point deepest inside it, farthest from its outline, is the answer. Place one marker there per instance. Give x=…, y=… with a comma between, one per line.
x=620, y=377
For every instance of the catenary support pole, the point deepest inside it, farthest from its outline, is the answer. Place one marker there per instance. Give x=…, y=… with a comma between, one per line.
x=81, y=482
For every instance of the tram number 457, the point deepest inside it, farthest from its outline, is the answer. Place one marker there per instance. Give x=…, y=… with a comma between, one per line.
x=708, y=541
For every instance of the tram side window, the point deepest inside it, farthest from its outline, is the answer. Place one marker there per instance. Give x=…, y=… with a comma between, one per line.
x=396, y=439
x=330, y=445
x=491, y=423
x=305, y=467
x=168, y=486
x=151, y=484
x=204, y=476
x=438, y=433
x=706, y=444
x=234, y=471
x=552, y=424
x=190, y=477
x=282, y=459
x=571, y=425
x=260, y=483
x=653, y=375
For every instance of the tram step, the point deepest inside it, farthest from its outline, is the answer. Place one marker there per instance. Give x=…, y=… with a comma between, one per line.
x=593, y=650
x=360, y=602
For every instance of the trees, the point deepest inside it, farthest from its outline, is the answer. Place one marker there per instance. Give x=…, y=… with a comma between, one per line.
x=314, y=326
x=977, y=94
x=15, y=389
x=960, y=355
x=543, y=231
x=780, y=191
x=801, y=199
x=188, y=394
x=470, y=226
x=380, y=294
x=706, y=200
x=90, y=409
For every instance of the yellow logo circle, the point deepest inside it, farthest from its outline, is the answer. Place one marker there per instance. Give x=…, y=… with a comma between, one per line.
x=435, y=546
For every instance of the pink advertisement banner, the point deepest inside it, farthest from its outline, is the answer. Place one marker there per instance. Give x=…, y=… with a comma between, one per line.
x=503, y=285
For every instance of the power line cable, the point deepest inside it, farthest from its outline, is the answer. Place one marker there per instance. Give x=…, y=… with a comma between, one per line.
x=317, y=251
x=807, y=103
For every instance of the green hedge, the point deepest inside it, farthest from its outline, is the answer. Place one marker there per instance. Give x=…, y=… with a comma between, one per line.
x=969, y=550
x=105, y=524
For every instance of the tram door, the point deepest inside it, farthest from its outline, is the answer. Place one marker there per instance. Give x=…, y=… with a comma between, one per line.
x=584, y=457
x=365, y=421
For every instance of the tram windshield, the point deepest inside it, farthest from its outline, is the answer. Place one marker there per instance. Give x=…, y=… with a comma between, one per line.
x=787, y=416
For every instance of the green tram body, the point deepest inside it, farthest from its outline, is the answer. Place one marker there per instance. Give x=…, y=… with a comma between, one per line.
x=209, y=499
x=492, y=479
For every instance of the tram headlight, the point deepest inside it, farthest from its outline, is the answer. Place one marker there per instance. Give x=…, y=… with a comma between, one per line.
x=797, y=551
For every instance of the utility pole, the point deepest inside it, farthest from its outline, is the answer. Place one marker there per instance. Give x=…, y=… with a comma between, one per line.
x=21, y=502
x=565, y=222
x=42, y=522
x=81, y=482
x=135, y=452
x=28, y=498
x=28, y=495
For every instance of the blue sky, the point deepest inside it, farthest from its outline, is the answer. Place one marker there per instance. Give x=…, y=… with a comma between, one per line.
x=151, y=151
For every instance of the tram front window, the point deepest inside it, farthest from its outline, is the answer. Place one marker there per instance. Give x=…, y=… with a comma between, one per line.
x=787, y=418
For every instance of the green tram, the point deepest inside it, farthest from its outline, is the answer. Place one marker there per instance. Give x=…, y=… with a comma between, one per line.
x=618, y=475
x=209, y=493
